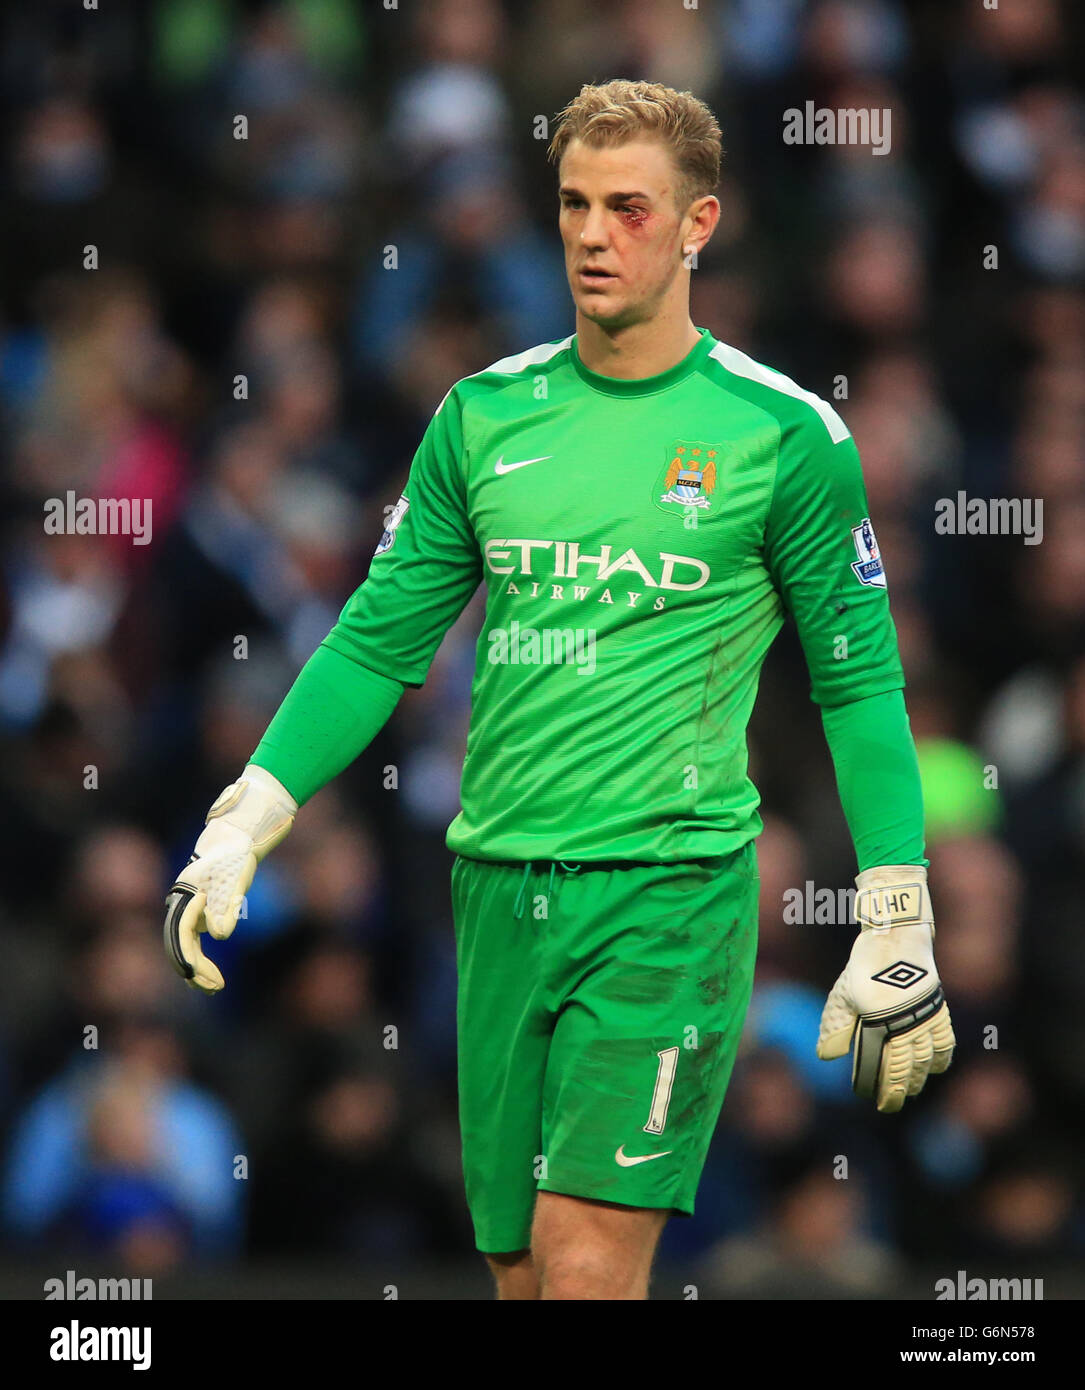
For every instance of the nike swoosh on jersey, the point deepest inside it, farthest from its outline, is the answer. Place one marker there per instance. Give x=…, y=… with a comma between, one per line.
x=627, y=1162
x=502, y=467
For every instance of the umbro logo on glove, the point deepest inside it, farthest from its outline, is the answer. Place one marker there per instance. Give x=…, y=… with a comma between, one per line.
x=888, y=1007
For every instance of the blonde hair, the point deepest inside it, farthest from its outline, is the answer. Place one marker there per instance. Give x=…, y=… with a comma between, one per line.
x=610, y=113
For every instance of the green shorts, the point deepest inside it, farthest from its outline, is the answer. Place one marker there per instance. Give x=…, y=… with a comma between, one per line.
x=599, y=1011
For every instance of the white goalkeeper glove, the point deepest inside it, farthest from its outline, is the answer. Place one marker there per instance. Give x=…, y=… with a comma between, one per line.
x=251, y=817
x=888, y=1003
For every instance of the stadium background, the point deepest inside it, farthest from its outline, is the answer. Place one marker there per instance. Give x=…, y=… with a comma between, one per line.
x=416, y=128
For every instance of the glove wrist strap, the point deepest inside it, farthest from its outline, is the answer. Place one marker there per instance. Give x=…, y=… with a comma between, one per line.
x=894, y=895
x=259, y=806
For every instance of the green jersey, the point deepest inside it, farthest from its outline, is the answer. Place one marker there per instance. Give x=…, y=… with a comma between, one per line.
x=640, y=543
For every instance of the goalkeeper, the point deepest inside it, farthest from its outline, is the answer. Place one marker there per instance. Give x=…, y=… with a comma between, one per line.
x=645, y=494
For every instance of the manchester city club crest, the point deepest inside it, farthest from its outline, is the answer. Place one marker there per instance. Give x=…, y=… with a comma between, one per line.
x=690, y=477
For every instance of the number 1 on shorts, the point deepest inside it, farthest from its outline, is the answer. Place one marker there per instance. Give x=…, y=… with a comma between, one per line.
x=661, y=1096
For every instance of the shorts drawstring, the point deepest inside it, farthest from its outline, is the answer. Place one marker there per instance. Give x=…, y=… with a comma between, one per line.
x=521, y=896
x=518, y=905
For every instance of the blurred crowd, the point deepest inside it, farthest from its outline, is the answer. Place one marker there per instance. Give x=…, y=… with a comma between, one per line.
x=249, y=323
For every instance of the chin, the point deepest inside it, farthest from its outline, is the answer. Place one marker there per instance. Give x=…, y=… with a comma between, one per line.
x=606, y=314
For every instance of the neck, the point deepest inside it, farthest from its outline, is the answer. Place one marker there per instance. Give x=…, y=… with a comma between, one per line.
x=639, y=349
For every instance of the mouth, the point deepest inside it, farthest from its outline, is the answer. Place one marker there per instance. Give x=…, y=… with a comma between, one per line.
x=592, y=275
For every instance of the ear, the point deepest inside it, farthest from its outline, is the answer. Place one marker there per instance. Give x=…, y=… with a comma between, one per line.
x=700, y=221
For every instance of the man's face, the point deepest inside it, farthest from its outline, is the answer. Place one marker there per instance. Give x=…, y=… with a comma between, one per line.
x=621, y=228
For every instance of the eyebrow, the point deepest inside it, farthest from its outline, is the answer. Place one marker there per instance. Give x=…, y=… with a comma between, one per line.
x=567, y=191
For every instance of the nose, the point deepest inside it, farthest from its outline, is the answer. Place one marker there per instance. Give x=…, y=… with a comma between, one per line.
x=593, y=232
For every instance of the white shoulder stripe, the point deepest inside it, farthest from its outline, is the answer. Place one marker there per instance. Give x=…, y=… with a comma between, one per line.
x=742, y=365
x=531, y=357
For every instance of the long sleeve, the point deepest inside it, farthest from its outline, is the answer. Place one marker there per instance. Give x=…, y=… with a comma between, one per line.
x=877, y=776
x=331, y=713
x=425, y=569
x=823, y=554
